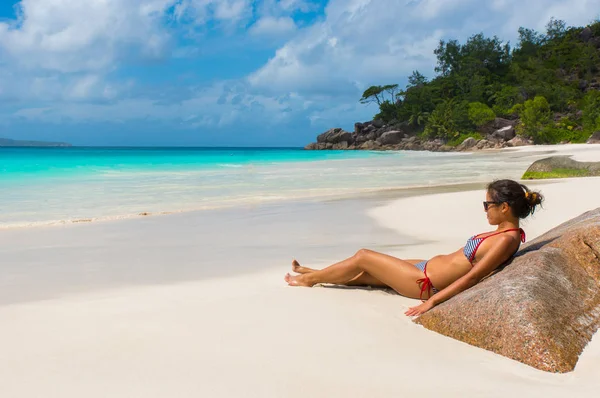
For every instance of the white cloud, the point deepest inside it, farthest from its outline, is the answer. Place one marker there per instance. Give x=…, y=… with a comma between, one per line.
x=289, y=6
x=232, y=9
x=271, y=26
x=430, y=9
x=50, y=87
x=536, y=13
x=218, y=105
x=364, y=42
x=57, y=59
x=66, y=49
x=274, y=18
x=201, y=11
x=62, y=50
x=76, y=36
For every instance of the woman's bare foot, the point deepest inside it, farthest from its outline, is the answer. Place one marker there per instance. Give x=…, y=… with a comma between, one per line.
x=296, y=267
x=297, y=280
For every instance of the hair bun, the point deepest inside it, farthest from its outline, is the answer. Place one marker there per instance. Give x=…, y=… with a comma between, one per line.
x=533, y=198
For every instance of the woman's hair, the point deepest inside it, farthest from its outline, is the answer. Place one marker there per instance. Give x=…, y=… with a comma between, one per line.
x=521, y=200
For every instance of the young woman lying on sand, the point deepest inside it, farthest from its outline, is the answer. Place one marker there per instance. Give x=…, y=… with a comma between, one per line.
x=443, y=276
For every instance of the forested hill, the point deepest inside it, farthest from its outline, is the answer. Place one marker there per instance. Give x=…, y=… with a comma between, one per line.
x=549, y=81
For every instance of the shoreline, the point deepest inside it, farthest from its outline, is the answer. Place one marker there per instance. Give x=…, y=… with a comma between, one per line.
x=580, y=152
x=394, y=192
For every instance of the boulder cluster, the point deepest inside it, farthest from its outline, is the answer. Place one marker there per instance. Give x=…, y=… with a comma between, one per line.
x=377, y=135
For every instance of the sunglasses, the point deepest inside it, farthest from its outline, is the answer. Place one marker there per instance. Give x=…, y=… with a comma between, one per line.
x=486, y=204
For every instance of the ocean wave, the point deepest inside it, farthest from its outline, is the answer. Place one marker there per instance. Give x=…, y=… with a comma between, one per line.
x=124, y=193
x=222, y=203
x=232, y=165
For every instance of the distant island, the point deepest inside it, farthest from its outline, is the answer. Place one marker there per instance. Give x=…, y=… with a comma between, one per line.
x=12, y=143
x=545, y=90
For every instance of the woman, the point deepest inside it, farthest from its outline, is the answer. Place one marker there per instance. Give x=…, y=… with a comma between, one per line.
x=443, y=276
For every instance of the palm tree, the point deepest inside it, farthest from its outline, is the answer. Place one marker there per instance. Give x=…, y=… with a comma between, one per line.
x=418, y=117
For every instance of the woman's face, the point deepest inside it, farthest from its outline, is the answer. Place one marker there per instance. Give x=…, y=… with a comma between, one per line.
x=496, y=212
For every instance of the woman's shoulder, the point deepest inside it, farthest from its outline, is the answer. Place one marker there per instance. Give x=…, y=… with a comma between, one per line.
x=512, y=232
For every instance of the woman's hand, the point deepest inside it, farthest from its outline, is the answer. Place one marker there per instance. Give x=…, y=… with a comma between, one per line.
x=420, y=309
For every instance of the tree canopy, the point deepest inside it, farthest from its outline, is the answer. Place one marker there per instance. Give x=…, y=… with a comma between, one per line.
x=377, y=94
x=549, y=81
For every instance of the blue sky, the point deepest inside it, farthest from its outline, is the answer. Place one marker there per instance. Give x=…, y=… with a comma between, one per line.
x=226, y=72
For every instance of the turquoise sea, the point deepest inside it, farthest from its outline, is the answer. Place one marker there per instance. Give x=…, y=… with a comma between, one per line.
x=57, y=185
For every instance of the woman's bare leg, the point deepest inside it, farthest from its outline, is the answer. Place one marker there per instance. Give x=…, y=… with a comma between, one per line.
x=363, y=279
x=398, y=274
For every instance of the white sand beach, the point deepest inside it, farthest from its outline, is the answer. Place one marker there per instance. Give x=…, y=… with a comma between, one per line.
x=194, y=305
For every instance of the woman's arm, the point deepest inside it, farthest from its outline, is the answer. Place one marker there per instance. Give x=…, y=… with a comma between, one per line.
x=494, y=257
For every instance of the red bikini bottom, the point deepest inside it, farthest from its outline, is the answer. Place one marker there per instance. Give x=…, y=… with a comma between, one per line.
x=425, y=283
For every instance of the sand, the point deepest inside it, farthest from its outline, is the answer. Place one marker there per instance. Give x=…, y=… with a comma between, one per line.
x=242, y=331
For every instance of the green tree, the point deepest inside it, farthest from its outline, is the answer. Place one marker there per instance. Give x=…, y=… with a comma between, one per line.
x=555, y=29
x=416, y=80
x=556, y=65
x=480, y=114
x=448, y=120
x=529, y=42
x=418, y=100
x=591, y=111
x=504, y=99
x=478, y=55
x=373, y=94
x=535, y=115
x=387, y=111
x=393, y=91
x=448, y=56
x=377, y=94
x=418, y=117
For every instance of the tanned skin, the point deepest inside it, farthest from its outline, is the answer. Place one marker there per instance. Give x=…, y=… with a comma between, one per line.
x=450, y=273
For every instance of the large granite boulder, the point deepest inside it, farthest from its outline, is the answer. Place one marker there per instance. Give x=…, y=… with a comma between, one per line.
x=378, y=123
x=484, y=144
x=369, y=127
x=504, y=134
x=432, y=145
x=358, y=127
x=495, y=125
x=542, y=308
x=334, y=136
x=586, y=34
x=411, y=144
x=467, y=144
x=595, y=138
x=391, y=138
x=519, y=141
x=341, y=145
x=561, y=166
x=369, y=145
x=499, y=129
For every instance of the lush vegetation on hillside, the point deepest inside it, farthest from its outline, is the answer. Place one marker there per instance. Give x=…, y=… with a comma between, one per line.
x=549, y=81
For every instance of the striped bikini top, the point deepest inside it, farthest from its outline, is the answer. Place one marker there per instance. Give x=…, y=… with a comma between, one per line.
x=473, y=243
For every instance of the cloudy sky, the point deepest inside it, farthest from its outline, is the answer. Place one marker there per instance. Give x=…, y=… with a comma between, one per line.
x=226, y=72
